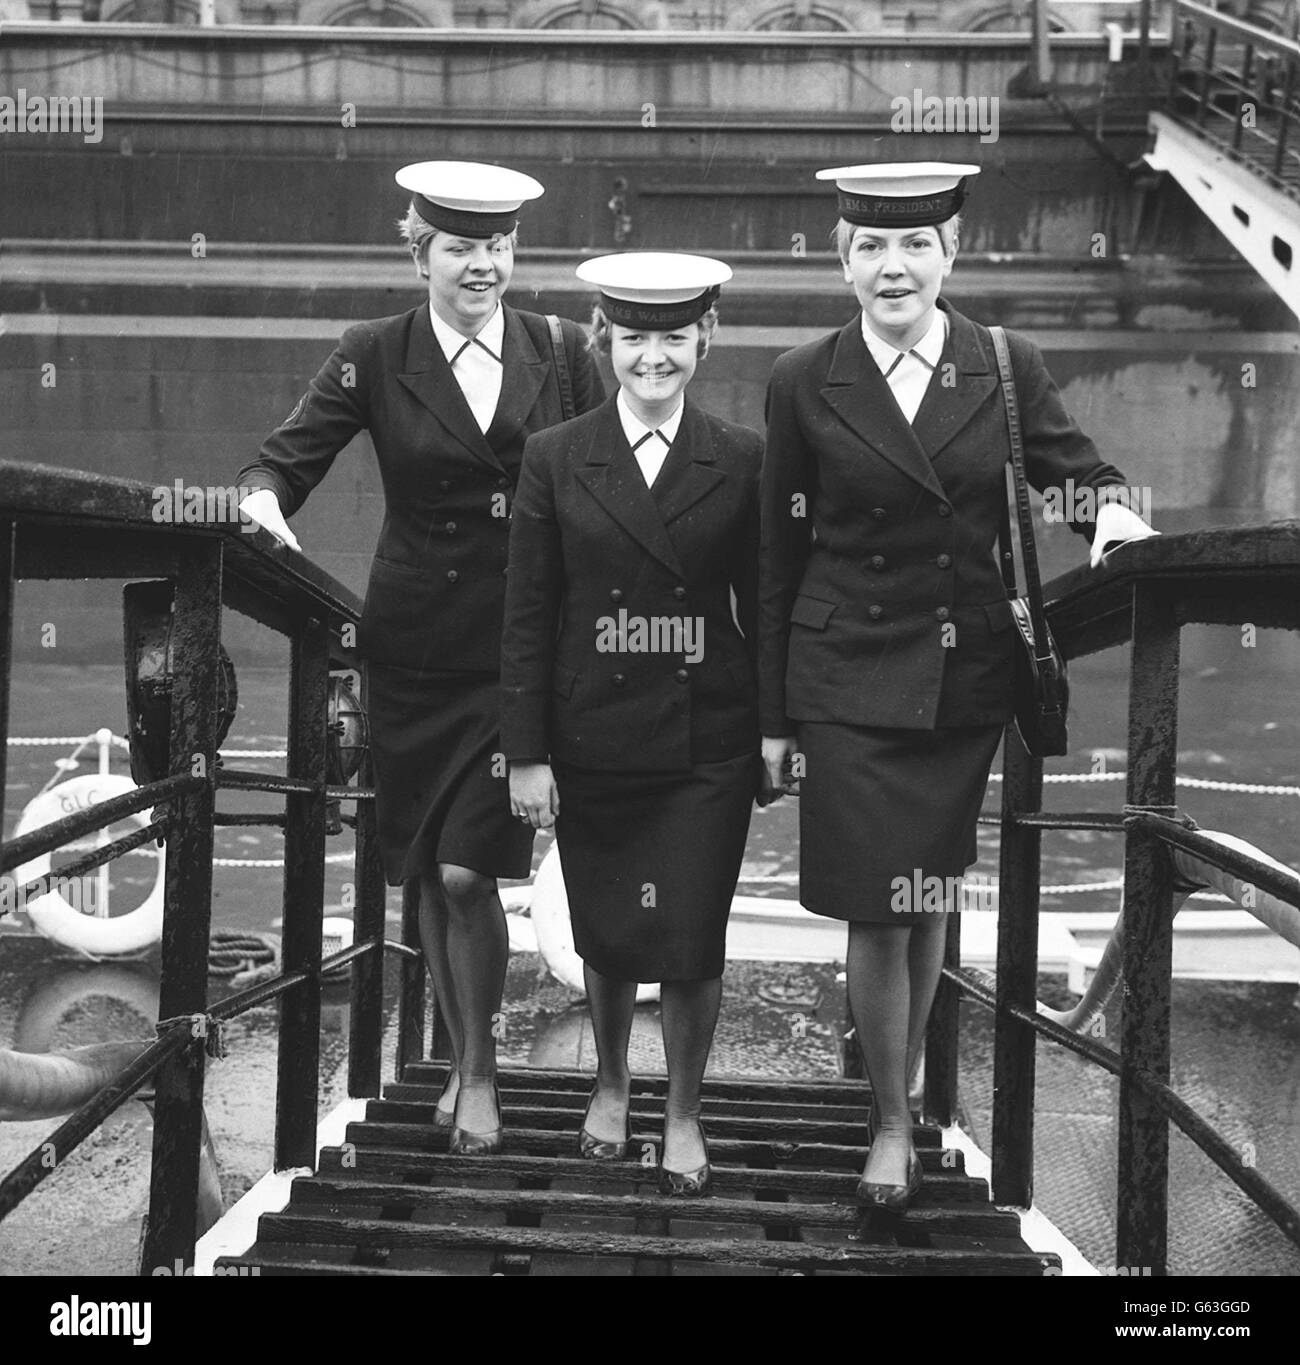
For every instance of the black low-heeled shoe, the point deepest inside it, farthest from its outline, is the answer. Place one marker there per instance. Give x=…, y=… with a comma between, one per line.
x=597, y=1149
x=464, y=1143
x=871, y=1194
x=444, y=1118
x=687, y=1184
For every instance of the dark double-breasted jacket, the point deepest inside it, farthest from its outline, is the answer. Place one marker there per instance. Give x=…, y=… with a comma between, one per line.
x=437, y=582
x=594, y=673
x=881, y=600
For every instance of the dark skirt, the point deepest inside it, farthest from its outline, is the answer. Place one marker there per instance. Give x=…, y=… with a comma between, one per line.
x=441, y=790
x=650, y=865
x=881, y=811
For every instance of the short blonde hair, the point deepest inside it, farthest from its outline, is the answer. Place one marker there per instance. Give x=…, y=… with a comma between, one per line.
x=418, y=233
x=599, y=336
x=949, y=231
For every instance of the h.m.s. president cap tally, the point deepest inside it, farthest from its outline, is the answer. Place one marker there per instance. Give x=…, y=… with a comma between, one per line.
x=655, y=290
x=900, y=194
x=468, y=198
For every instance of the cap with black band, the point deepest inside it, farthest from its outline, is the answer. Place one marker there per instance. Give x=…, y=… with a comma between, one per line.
x=900, y=194
x=468, y=198
x=656, y=291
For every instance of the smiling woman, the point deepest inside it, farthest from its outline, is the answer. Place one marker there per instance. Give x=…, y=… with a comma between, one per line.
x=635, y=733
x=448, y=392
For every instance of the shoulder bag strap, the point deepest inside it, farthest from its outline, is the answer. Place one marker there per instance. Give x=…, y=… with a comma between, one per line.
x=1028, y=552
x=567, y=406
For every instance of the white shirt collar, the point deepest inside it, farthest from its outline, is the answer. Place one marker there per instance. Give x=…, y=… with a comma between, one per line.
x=492, y=335
x=634, y=428
x=929, y=348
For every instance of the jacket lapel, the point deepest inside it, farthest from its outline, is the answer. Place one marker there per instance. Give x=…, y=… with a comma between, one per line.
x=858, y=393
x=525, y=373
x=947, y=409
x=690, y=472
x=429, y=378
x=613, y=478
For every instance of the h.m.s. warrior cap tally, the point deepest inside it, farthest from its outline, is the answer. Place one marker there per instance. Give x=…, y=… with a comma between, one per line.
x=468, y=198
x=655, y=290
x=900, y=194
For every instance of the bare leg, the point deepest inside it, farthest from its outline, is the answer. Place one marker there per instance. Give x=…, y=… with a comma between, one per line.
x=478, y=949
x=690, y=1014
x=433, y=937
x=612, y=1005
x=880, y=997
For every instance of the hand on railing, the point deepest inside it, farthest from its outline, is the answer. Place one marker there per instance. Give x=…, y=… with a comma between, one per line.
x=1115, y=523
x=263, y=507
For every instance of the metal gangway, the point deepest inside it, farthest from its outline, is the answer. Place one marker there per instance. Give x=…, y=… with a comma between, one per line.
x=1230, y=136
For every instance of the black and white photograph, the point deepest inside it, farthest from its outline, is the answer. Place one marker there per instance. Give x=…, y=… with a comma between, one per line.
x=652, y=638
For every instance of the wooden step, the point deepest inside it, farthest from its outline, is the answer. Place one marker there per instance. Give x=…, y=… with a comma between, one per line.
x=403, y=1200
x=385, y=1237
x=424, y=1167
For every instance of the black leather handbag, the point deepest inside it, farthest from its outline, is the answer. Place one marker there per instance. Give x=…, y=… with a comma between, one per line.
x=1041, y=690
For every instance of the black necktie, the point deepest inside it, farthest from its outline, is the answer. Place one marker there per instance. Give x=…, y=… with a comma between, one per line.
x=636, y=445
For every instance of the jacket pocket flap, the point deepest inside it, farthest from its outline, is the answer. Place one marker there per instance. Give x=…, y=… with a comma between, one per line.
x=998, y=615
x=812, y=612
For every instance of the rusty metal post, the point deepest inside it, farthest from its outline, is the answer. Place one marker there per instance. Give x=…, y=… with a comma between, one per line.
x=1013, y=1045
x=171, y=1229
x=1142, y=1194
x=8, y=536
x=298, y=1062
x=1040, y=65
x=366, y=1019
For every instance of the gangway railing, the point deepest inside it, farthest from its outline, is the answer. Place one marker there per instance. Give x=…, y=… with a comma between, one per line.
x=1142, y=595
x=1239, y=87
x=65, y=524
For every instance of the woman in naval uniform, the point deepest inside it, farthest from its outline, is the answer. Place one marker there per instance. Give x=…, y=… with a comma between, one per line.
x=448, y=392
x=886, y=641
x=630, y=716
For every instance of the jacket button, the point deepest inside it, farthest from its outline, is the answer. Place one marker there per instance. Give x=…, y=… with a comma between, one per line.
x=444, y=485
x=616, y=594
x=452, y=576
x=679, y=593
x=503, y=483
x=944, y=561
x=941, y=614
x=450, y=528
x=945, y=510
x=875, y=612
x=682, y=675
x=878, y=562
x=879, y=513
x=618, y=679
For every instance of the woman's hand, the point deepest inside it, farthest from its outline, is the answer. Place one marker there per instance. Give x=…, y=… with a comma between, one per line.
x=263, y=507
x=1115, y=522
x=534, y=798
x=776, y=755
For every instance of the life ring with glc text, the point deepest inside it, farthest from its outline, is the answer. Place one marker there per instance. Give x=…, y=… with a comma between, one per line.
x=51, y=913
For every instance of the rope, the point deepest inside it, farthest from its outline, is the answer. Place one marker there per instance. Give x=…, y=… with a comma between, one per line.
x=231, y=951
x=204, y=1026
x=1199, y=783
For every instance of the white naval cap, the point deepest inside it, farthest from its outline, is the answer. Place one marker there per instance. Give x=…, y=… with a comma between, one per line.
x=656, y=290
x=468, y=198
x=900, y=193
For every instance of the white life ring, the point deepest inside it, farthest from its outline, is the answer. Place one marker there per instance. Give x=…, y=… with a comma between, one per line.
x=57, y=918
x=549, y=911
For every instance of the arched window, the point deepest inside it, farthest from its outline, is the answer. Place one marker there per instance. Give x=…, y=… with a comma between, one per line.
x=1013, y=19
x=587, y=14
x=802, y=19
x=375, y=14
x=184, y=12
